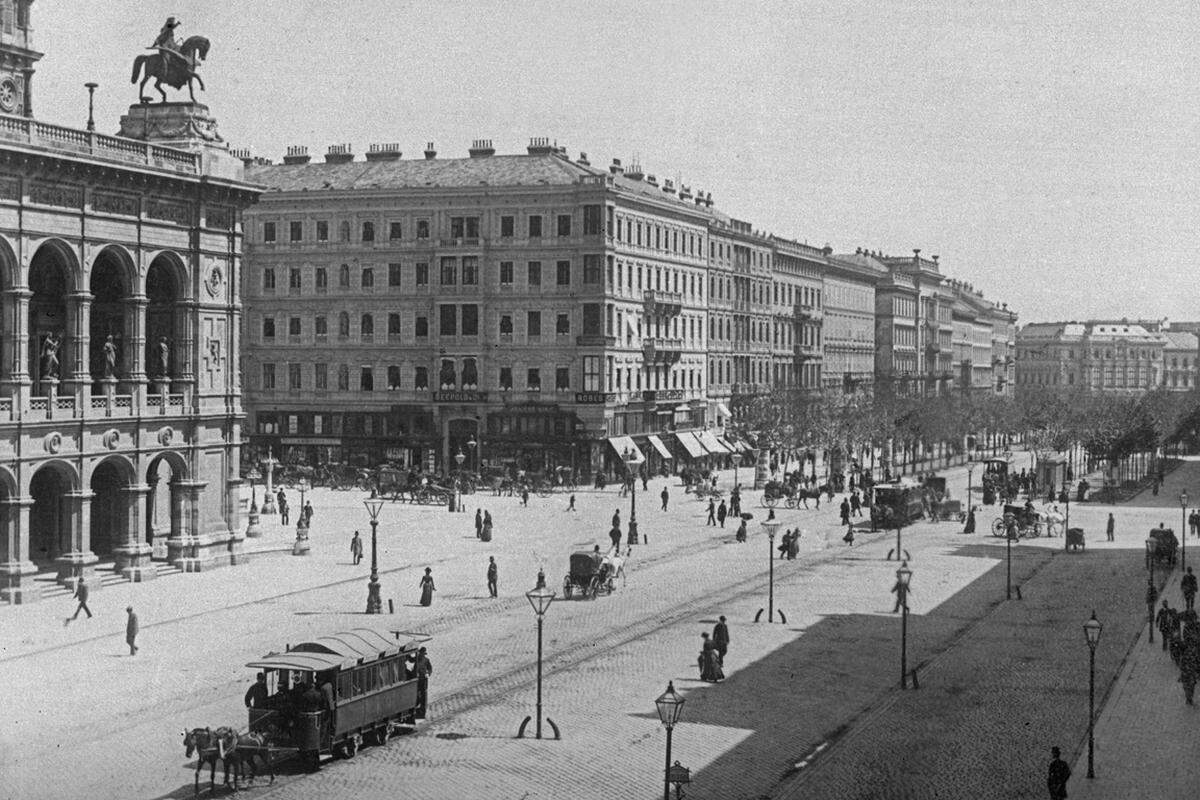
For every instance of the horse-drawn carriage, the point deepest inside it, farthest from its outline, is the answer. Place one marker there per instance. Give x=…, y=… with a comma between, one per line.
x=1025, y=522
x=791, y=494
x=1165, y=548
x=592, y=574
x=894, y=505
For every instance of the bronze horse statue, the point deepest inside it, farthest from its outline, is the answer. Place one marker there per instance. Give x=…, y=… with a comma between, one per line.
x=176, y=69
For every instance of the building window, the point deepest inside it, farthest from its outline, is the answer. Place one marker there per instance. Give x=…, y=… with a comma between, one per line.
x=562, y=324
x=367, y=326
x=534, y=275
x=268, y=376
x=449, y=271
x=368, y=278
x=533, y=380
x=564, y=224
x=591, y=372
x=448, y=320
x=393, y=324
x=591, y=319
x=394, y=274
x=506, y=325
x=368, y=231
x=470, y=320
x=393, y=378
x=366, y=380
x=268, y=328
x=322, y=231
x=562, y=378
x=421, y=379
x=295, y=231
x=321, y=376
x=422, y=229
x=293, y=376
x=506, y=273
x=563, y=273
x=321, y=326
x=293, y=326
x=344, y=276
x=470, y=373
x=343, y=378
x=422, y=272
x=533, y=323
x=343, y=324
x=470, y=270
x=322, y=279
x=422, y=327
x=294, y=280
x=506, y=227
x=591, y=220
x=395, y=230
x=447, y=379
x=269, y=279
x=268, y=231
x=506, y=383
x=593, y=269
x=535, y=227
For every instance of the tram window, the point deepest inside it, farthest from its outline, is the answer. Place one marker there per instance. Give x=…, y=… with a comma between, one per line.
x=343, y=687
x=380, y=676
x=356, y=682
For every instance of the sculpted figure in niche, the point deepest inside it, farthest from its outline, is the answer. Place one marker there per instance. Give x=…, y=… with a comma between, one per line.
x=50, y=347
x=110, y=358
x=164, y=357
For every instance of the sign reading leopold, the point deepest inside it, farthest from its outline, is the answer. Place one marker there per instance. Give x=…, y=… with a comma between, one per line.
x=463, y=396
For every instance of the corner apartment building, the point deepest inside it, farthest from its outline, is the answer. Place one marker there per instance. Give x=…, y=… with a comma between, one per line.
x=797, y=313
x=1181, y=358
x=982, y=341
x=1117, y=357
x=849, y=320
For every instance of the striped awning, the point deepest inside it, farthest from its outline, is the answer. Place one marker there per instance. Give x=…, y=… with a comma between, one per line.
x=712, y=443
x=659, y=446
x=691, y=444
x=622, y=443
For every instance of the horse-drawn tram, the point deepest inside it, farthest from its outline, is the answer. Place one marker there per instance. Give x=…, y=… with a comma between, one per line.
x=327, y=695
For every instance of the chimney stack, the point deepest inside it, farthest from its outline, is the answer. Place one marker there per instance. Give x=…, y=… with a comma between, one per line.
x=384, y=152
x=583, y=160
x=339, y=154
x=616, y=168
x=296, y=154
x=540, y=146
x=635, y=171
x=430, y=153
x=481, y=148
x=685, y=192
x=669, y=186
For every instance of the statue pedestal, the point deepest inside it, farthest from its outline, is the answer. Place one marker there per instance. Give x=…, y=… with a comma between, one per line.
x=183, y=126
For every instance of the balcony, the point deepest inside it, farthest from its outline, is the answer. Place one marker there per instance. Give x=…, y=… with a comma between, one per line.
x=807, y=311
x=806, y=352
x=933, y=347
x=659, y=350
x=461, y=241
x=96, y=145
x=595, y=340
x=659, y=302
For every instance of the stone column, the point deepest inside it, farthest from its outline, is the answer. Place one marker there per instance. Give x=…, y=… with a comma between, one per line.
x=135, y=348
x=15, y=363
x=75, y=359
x=185, y=344
x=233, y=518
x=155, y=533
x=133, y=556
x=187, y=548
x=79, y=562
x=16, y=568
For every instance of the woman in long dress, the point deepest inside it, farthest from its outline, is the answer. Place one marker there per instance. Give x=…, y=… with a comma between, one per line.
x=710, y=661
x=427, y=587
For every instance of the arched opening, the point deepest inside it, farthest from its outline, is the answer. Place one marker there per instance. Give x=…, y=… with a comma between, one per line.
x=109, y=512
x=161, y=514
x=48, y=283
x=109, y=289
x=162, y=292
x=50, y=516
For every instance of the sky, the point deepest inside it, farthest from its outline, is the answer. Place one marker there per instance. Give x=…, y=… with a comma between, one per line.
x=1045, y=151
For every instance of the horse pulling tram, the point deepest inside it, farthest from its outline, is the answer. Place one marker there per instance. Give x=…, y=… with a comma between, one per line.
x=369, y=686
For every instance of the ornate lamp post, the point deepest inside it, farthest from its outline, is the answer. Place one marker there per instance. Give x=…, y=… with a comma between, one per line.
x=301, y=546
x=1151, y=592
x=1183, y=501
x=1067, y=522
x=631, y=462
x=91, y=87
x=459, y=458
x=253, y=529
x=670, y=707
x=903, y=577
x=970, y=476
x=772, y=527
x=1091, y=629
x=540, y=598
x=471, y=445
x=374, y=600
x=737, y=462
x=1009, y=535
x=269, y=463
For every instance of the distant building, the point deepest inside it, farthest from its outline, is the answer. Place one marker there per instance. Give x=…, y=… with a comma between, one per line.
x=1118, y=357
x=1180, y=356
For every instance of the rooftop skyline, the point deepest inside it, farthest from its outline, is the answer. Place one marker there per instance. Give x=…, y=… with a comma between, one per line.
x=1042, y=153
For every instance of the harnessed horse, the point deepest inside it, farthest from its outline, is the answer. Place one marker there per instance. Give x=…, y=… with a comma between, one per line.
x=209, y=746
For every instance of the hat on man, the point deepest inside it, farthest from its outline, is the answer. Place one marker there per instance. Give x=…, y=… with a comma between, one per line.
x=171, y=23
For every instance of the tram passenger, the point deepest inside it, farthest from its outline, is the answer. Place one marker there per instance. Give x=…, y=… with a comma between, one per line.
x=423, y=669
x=256, y=695
x=328, y=705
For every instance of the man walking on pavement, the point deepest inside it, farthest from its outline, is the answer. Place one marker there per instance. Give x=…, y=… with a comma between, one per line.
x=1112, y=528
x=1058, y=775
x=478, y=522
x=845, y=509
x=281, y=499
x=571, y=503
x=1164, y=621
x=722, y=512
x=720, y=637
x=81, y=594
x=665, y=497
x=308, y=512
x=616, y=522
x=712, y=513
x=491, y=576
x=356, y=548
x=1188, y=585
x=131, y=631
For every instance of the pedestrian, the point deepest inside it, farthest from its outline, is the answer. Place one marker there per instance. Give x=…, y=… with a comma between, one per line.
x=722, y=512
x=615, y=536
x=1188, y=585
x=81, y=594
x=794, y=545
x=1111, y=528
x=645, y=481
x=427, y=587
x=131, y=631
x=571, y=503
x=281, y=501
x=491, y=576
x=855, y=502
x=308, y=512
x=1189, y=669
x=1163, y=621
x=486, y=533
x=356, y=548
x=849, y=537
x=525, y=496
x=666, y=495
x=616, y=521
x=1057, y=776
x=741, y=532
x=709, y=661
x=256, y=695
x=712, y=513
x=720, y=638
x=785, y=543
x=422, y=669
x=735, y=502
x=478, y=523
x=845, y=509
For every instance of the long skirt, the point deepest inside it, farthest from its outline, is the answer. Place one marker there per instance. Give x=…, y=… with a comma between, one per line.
x=426, y=594
x=710, y=666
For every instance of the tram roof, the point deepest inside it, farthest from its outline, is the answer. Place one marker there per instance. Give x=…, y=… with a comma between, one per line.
x=339, y=651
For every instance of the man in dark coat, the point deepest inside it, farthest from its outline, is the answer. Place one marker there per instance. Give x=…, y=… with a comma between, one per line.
x=712, y=513
x=131, y=631
x=356, y=547
x=666, y=495
x=1188, y=585
x=1057, y=776
x=491, y=575
x=722, y=512
x=1111, y=528
x=1164, y=621
x=845, y=508
x=615, y=536
x=616, y=522
x=256, y=695
x=478, y=522
x=720, y=638
x=81, y=594
x=422, y=669
x=281, y=498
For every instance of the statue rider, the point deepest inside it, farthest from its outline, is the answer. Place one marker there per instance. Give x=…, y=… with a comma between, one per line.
x=166, y=37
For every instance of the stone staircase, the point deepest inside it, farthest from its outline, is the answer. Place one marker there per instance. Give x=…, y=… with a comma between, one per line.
x=108, y=577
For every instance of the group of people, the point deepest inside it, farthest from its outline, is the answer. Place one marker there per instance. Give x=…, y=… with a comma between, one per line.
x=285, y=510
x=1180, y=633
x=483, y=525
x=712, y=652
x=81, y=595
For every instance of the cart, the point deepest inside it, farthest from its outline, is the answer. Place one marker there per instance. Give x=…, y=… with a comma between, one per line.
x=1027, y=523
x=590, y=574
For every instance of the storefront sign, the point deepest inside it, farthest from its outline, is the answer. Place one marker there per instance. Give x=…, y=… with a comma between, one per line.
x=460, y=397
x=594, y=398
x=319, y=442
x=670, y=394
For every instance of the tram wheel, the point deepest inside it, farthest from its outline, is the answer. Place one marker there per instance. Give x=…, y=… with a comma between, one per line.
x=349, y=748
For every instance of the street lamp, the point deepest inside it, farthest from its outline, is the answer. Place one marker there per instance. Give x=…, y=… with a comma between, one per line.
x=540, y=598
x=1091, y=629
x=670, y=707
x=771, y=526
x=253, y=529
x=459, y=458
x=631, y=461
x=374, y=601
x=301, y=546
x=1009, y=534
x=970, y=476
x=1067, y=522
x=91, y=87
x=471, y=445
x=1183, y=500
x=737, y=462
x=903, y=577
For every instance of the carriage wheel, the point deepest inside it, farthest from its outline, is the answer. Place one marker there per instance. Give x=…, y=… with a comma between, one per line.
x=544, y=491
x=1036, y=530
x=349, y=748
x=791, y=502
x=998, y=528
x=568, y=588
x=593, y=587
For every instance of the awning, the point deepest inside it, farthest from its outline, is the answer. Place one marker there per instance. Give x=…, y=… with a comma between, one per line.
x=622, y=443
x=735, y=443
x=690, y=443
x=712, y=444
x=723, y=410
x=659, y=446
x=343, y=650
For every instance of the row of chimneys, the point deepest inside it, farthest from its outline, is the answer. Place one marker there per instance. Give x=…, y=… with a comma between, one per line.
x=862, y=251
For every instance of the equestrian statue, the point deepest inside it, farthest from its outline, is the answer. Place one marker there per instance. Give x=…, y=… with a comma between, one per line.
x=172, y=62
